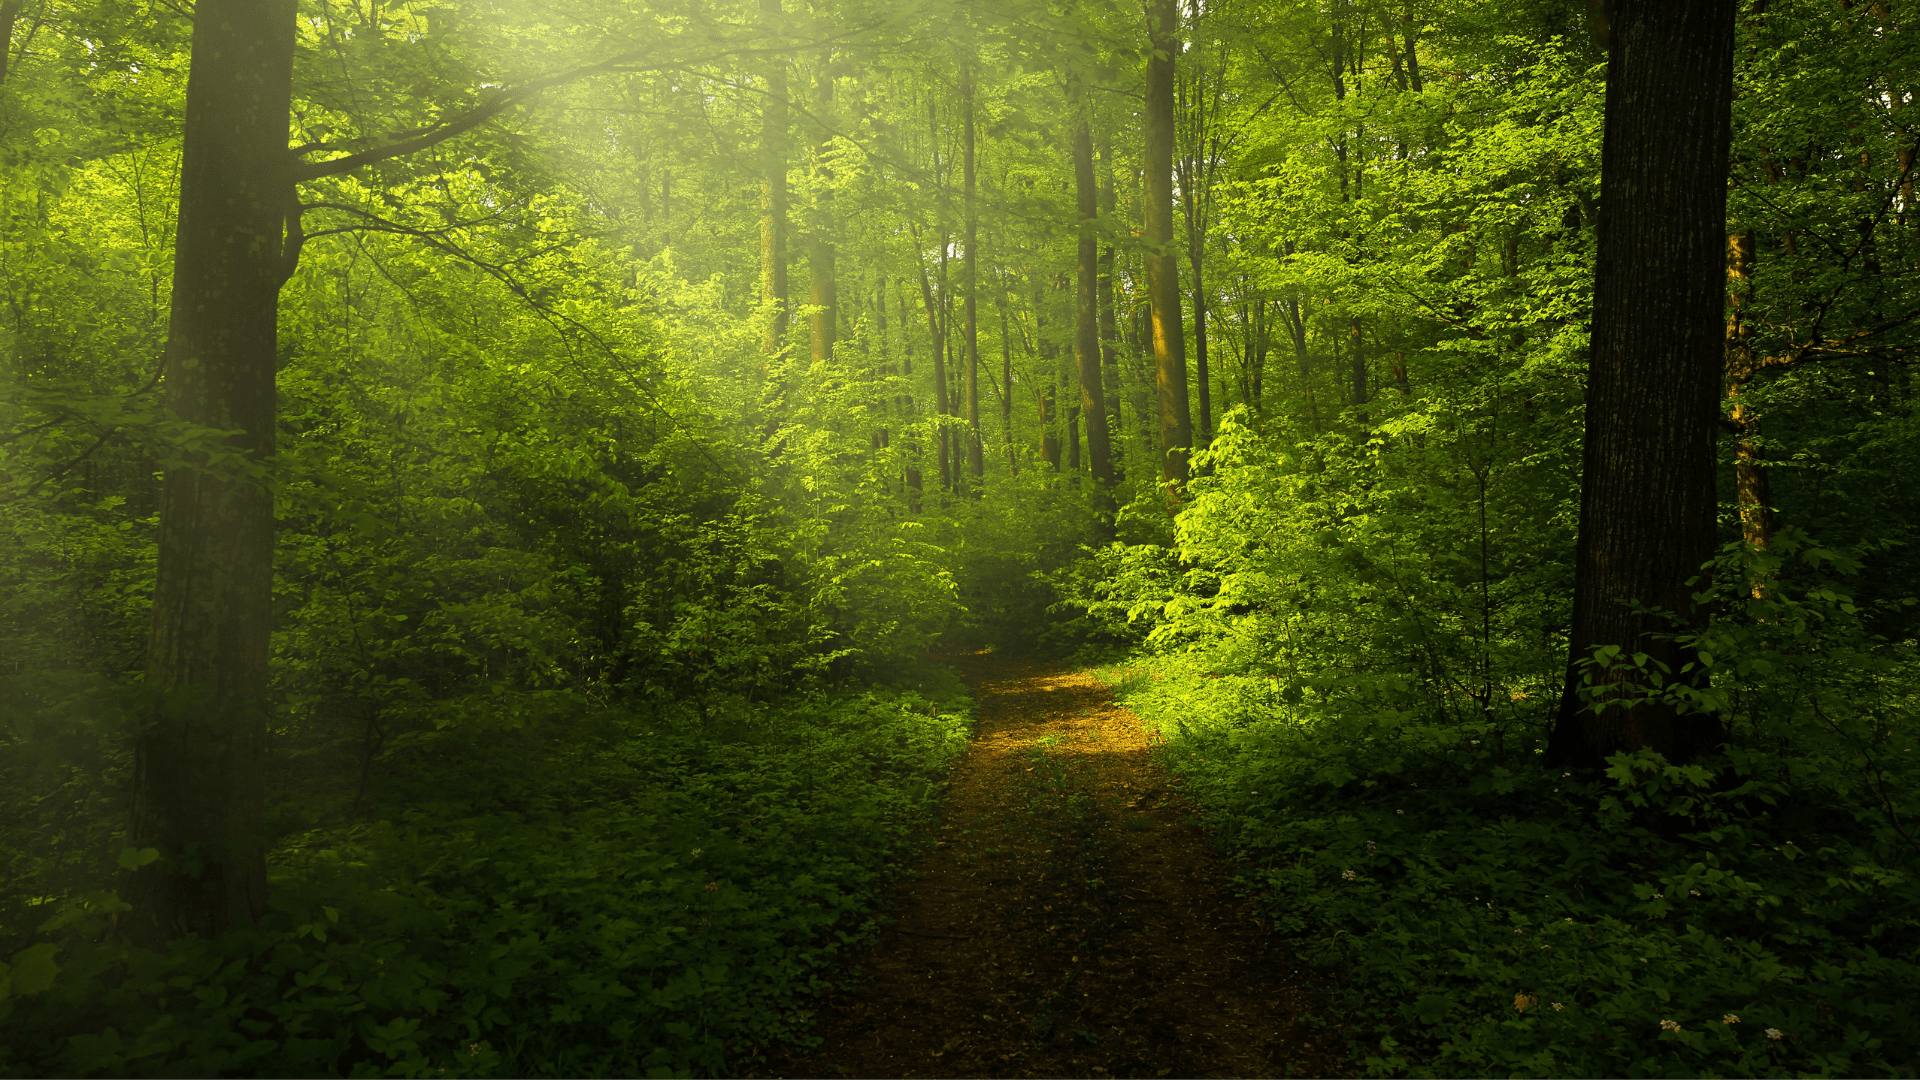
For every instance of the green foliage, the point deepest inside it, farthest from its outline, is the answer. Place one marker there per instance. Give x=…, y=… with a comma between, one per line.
x=596, y=892
x=1747, y=914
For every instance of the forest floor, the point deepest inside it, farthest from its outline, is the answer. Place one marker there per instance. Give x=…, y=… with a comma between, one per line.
x=1070, y=919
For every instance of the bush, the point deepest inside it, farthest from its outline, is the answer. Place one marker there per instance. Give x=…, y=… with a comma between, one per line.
x=1747, y=914
x=593, y=893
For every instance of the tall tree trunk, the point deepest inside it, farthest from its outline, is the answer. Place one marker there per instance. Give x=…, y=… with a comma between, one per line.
x=9, y=15
x=1749, y=463
x=823, y=293
x=1647, y=489
x=1086, y=336
x=1259, y=342
x=1297, y=334
x=936, y=332
x=906, y=373
x=198, y=780
x=1109, y=326
x=1163, y=269
x=1357, y=367
x=1006, y=381
x=773, y=224
x=971, y=270
x=1049, y=435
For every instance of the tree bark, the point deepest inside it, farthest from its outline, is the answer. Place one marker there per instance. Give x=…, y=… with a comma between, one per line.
x=773, y=225
x=823, y=292
x=1109, y=325
x=936, y=333
x=971, y=271
x=1749, y=464
x=9, y=15
x=198, y=782
x=1086, y=337
x=1647, y=507
x=1163, y=269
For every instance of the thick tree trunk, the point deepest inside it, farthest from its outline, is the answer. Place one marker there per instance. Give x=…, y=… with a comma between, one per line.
x=1163, y=268
x=773, y=223
x=823, y=292
x=1647, y=491
x=9, y=15
x=198, y=783
x=1086, y=336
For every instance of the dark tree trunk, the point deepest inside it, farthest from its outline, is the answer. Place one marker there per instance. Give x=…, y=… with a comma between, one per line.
x=9, y=14
x=1163, y=268
x=198, y=784
x=1086, y=335
x=1647, y=491
x=773, y=225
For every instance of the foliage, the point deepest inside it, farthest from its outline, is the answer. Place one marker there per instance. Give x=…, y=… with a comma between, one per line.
x=574, y=892
x=1746, y=914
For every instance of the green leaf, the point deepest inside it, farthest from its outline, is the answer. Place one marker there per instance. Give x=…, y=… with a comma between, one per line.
x=32, y=970
x=135, y=858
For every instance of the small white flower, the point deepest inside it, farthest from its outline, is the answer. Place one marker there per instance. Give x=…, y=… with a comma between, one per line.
x=1730, y=1018
x=1348, y=875
x=1776, y=1033
x=1557, y=1006
x=1569, y=920
x=1669, y=1025
x=1659, y=896
x=1693, y=892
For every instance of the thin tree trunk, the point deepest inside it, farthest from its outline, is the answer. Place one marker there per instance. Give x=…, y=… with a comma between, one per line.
x=938, y=337
x=773, y=226
x=1006, y=381
x=1163, y=269
x=1086, y=337
x=1647, y=504
x=1109, y=327
x=971, y=270
x=198, y=778
x=1749, y=468
x=906, y=373
x=823, y=293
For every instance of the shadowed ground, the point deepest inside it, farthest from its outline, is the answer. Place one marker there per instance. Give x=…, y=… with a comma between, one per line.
x=1070, y=920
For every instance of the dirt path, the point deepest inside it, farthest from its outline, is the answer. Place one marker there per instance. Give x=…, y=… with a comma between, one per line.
x=1070, y=920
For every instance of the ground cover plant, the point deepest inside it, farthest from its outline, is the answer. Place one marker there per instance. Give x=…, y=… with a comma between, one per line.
x=600, y=892
x=1745, y=914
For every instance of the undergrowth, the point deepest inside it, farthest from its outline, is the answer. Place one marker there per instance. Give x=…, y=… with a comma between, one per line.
x=597, y=892
x=1475, y=914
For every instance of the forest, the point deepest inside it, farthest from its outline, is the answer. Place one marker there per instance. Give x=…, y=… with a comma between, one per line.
x=524, y=522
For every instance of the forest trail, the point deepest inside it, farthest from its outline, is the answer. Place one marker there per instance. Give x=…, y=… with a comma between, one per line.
x=1070, y=920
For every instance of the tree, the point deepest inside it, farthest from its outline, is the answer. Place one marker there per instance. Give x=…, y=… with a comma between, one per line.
x=1163, y=268
x=1647, y=509
x=198, y=783
x=773, y=236
x=1086, y=335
